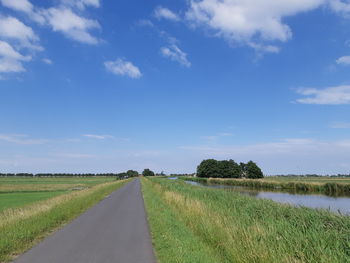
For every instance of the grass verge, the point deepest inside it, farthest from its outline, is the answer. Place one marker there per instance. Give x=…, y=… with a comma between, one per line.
x=21, y=228
x=238, y=228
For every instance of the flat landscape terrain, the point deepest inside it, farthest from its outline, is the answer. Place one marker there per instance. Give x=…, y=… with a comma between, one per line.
x=20, y=191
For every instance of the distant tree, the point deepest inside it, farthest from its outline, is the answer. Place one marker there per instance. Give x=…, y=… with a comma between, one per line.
x=229, y=169
x=208, y=168
x=253, y=171
x=147, y=172
x=132, y=173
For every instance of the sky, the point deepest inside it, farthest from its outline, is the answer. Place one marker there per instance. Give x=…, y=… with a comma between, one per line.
x=107, y=86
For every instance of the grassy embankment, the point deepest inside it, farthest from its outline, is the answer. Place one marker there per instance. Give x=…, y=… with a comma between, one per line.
x=24, y=226
x=193, y=224
x=300, y=184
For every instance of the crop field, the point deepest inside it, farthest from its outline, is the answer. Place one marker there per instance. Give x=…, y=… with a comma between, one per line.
x=196, y=224
x=20, y=191
x=31, y=208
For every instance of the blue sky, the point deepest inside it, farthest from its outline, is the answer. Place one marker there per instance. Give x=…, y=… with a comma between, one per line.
x=106, y=86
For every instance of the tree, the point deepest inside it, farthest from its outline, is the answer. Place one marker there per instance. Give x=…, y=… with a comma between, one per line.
x=132, y=173
x=229, y=169
x=253, y=171
x=147, y=172
x=208, y=168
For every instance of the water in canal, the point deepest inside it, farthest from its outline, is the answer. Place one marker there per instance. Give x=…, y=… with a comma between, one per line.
x=335, y=204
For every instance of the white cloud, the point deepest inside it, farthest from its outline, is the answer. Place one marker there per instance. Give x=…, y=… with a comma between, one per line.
x=248, y=22
x=340, y=125
x=47, y=61
x=345, y=60
x=165, y=13
x=26, y=7
x=99, y=137
x=123, y=68
x=10, y=59
x=71, y=25
x=13, y=29
x=176, y=54
x=19, y=5
x=81, y=4
x=332, y=95
x=21, y=139
x=340, y=6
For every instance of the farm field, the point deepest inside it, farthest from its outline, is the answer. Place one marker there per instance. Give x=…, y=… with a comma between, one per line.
x=196, y=224
x=20, y=191
x=31, y=208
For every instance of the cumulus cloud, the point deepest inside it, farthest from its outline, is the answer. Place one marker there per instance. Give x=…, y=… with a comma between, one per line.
x=10, y=59
x=19, y=5
x=332, y=95
x=123, y=68
x=71, y=25
x=13, y=29
x=345, y=60
x=26, y=7
x=248, y=22
x=174, y=53
x=164, y=13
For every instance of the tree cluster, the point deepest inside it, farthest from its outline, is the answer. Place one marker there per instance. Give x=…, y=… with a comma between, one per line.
x=228, y=169
x=148, y=172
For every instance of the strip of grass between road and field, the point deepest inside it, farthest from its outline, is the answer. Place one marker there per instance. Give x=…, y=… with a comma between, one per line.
x=217, y=226
x=322, y=187
x=21, y=228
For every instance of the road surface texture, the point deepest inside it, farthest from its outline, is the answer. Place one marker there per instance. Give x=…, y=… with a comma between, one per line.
x=114, y=230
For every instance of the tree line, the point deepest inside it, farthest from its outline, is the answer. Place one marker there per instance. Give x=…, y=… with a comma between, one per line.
x=228, y=169
x=129, y=173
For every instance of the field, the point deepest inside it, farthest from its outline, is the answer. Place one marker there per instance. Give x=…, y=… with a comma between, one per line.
x=195, y=224
x=19, y=191
x=31, y=208
x=324, y=185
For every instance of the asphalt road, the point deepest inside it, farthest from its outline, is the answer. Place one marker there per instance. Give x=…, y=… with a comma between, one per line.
x=114, y=230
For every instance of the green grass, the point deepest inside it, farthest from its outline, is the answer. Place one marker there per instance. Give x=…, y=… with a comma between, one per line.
x=21, y=228
x=172, y=239
x=300, y=184
x=54, y=180
x=237, y=228
x=18, y=199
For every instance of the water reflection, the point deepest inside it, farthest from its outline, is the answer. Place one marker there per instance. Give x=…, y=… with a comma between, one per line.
x=335, y=204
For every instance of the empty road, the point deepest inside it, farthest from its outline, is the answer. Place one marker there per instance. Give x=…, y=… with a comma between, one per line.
x=114, y=230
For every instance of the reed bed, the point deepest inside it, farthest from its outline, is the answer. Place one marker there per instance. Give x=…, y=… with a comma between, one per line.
x=297, y=186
